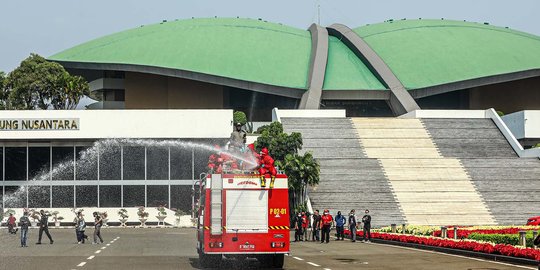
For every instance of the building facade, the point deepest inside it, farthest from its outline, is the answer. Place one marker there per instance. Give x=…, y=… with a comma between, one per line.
x=106, y=158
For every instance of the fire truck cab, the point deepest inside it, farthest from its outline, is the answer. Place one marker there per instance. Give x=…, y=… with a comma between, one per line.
x=237, y=218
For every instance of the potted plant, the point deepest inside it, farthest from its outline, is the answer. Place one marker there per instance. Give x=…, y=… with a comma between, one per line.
x=142, y=216
x=56, y=218
x=104, y=218
x=123, y=213
x=32, y=213
x=162, y=214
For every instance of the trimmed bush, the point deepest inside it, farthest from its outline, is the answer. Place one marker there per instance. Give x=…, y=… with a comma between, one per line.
x=508, y=239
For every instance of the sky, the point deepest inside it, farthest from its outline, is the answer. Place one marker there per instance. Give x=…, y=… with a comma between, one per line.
x=48, y=27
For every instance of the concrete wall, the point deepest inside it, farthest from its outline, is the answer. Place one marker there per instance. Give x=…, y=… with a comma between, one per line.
x=524, y=124
x=507, y=97
x=148, y=91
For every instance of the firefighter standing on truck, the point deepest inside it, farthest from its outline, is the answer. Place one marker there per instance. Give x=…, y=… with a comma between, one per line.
x=266, y=166
x=326, y=224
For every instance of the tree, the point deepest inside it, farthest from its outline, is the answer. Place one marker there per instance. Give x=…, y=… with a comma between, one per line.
x=239, y=117
x=279, y=144
x=3, y=92
x=302, y=170
x=40, y=84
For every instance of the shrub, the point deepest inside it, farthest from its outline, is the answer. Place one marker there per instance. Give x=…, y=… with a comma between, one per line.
x=239, y=117
x=507, y=239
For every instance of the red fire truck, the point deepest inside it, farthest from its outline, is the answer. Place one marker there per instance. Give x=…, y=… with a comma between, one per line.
x=237, y=218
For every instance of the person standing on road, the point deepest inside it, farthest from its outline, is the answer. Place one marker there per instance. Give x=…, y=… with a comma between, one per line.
x=98, y=222
x=298, y=228
x=24, y=223
x=326, y=224
x=80, y=227
x=44, y=226
x=353, y=226
x=340, y=223
x=366, y=219
x=12, y=222
x=305, y=223
x=316, y=226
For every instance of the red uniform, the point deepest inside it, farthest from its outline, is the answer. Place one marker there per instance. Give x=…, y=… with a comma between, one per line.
x=266, y=166
x=326, y=224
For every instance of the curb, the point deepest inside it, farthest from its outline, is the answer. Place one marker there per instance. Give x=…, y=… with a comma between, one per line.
x=467, y=253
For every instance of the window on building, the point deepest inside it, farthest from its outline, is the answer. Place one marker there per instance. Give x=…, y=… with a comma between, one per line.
x=86, y=163
x=181, y=163
x=157, y=160
x=181, y=198
x=63, y=163
x=1, y=166
x=133, y=196
x=157, y=195
x=39, y=196
x=110, y=196
x=133, y=163
x=86, y=196
x=15, y=162
x=62, y=197
x=15, y=197
x=110, y=162
x=39, y=162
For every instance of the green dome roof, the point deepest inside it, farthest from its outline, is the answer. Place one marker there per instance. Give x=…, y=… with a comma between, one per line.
x=244, y=49
x=421, y=53
x=424, y=53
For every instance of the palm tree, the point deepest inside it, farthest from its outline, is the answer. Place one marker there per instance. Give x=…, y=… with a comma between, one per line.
x=301, y=171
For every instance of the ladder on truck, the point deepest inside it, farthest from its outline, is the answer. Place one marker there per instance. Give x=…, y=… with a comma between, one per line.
x=216, y=219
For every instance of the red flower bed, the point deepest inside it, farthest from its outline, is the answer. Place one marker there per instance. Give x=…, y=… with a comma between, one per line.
x=463, y=233
x=507, y=250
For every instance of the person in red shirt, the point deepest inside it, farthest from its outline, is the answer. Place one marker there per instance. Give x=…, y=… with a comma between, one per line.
x=304, y=226
x=326, y=224
x=11, y=224
x=266, y=166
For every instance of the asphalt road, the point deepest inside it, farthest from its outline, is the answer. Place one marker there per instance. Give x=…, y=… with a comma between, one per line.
x=161, y=249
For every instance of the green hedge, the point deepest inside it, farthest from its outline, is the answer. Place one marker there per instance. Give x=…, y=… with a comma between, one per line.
x=510, y=239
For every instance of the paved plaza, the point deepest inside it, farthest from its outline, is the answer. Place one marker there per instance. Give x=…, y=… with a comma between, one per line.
x=162, y=249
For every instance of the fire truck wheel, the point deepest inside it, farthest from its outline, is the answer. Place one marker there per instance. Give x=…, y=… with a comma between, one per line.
x=272, y=261
x=278, y=261
x=209, y=261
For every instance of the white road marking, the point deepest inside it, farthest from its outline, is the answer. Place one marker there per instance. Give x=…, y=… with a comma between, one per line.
x=327, y=269
x=314, y=264
x=300, y=259
x=459, y=256
x=97, y=252
x=103, y=247
x=108, y=244
x=81, y=264
x=91, y=257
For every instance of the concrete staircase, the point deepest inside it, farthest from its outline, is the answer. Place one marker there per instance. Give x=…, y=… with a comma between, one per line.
x=431, y=189
x=509, y=185
x=420, y=171
x=349, y=179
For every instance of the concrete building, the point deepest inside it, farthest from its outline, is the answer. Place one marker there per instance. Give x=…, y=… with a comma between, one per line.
x=167, y=88
x=105, y=158
x=383, y=69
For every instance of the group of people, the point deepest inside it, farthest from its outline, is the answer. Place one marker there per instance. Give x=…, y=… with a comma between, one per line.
x=323, y=224
x=226, y=161
x=80, y=227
